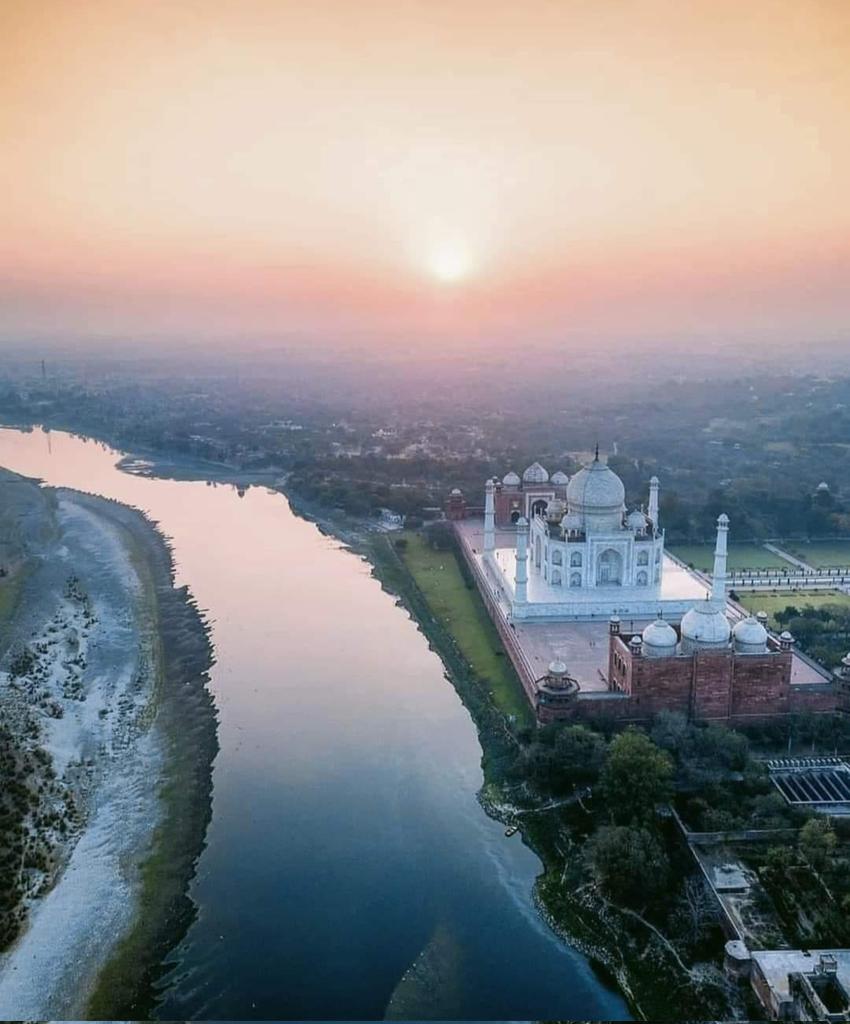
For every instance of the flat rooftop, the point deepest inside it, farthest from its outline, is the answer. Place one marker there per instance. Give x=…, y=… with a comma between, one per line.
x=777, y=964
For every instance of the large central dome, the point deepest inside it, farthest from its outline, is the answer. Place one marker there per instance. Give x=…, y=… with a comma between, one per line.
x=596, y=494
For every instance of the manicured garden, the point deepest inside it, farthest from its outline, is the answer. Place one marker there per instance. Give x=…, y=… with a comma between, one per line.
x=741, y=556
x=758, y=601
x=832, y=554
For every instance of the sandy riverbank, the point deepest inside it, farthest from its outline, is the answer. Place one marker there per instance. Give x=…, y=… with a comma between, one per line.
x=105, y=665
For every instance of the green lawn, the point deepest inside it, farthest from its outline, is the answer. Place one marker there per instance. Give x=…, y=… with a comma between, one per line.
x=459, y=608
x=741, y=556
x=754, y=601
x=821, y=554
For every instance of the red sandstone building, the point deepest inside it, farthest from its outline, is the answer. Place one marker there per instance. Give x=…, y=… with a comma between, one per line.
x=697, y=670
x=516, y=497
x=747, y=679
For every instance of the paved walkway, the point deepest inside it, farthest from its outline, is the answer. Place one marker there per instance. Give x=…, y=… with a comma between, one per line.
x=789, y=558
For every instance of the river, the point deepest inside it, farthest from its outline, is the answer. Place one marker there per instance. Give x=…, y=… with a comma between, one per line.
x=346, y=841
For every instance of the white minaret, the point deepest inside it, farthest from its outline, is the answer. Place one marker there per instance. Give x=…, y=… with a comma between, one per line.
x=521, y=578
x=718, y=585
x=653, y=502
x=489, y=516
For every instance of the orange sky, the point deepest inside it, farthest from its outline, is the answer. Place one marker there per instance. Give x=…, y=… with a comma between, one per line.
x=603, y=166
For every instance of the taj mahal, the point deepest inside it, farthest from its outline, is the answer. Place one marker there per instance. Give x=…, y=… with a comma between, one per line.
x=567, y=548
x=600, y=621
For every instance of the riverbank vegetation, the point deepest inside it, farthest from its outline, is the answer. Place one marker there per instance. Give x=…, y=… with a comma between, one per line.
x=454, y=601
x=600, y=806
x=185, y=717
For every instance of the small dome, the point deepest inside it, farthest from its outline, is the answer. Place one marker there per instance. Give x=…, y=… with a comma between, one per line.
x=571, y=521
x=456, y=491
x=822, y=486
x=557, y=668
x=596, y=488
x=705, y=625
x=555, y=509
x=636, y=520
x=660, y=638
x=511, y=479
x=560, y=477
x=750, y=636
x=535, y=474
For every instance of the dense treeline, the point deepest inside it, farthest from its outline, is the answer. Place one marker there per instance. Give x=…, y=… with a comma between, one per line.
x=757, y=448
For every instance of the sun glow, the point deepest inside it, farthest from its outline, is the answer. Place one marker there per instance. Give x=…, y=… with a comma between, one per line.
x=450, y=264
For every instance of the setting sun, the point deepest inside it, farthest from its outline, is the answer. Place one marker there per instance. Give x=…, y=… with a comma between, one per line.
x=450, y=264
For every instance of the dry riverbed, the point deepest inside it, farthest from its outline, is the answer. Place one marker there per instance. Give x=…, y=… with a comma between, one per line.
x=104, y=666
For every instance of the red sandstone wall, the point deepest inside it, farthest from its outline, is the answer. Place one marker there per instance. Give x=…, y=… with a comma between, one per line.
x=814, y=699
x=712, y=685
x=660, y=684
x=761, y=685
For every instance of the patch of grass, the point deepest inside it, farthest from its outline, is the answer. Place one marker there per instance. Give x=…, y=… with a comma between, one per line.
x=833, y=554
x=457, y=606
x=741, y=556
x=756, y=601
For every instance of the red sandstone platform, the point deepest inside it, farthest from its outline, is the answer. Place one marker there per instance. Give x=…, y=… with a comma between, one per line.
x=583, y=646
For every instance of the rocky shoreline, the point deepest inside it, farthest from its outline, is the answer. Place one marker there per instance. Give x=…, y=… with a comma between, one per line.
x=106, y=671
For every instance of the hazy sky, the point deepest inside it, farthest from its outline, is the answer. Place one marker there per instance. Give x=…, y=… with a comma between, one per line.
x=448, y=169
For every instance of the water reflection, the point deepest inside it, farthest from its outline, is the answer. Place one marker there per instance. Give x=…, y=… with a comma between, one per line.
x=349, y=868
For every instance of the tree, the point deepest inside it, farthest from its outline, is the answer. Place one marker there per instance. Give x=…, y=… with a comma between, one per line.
x=635, y=778
x=779, y=859
x=817, y=842
x=670, y=731
x=628, y=864
x=696, y=910
x=721, y=746
x=579, y=753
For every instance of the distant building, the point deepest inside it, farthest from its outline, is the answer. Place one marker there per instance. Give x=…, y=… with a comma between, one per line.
x=391, y=520
x=455, y=505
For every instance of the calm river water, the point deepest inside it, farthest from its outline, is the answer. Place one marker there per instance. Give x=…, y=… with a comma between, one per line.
x=346, y=842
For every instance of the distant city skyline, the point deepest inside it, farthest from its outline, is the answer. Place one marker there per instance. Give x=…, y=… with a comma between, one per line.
x=469, y=174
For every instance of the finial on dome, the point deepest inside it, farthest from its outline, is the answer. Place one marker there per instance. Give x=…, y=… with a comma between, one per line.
x=596, y=456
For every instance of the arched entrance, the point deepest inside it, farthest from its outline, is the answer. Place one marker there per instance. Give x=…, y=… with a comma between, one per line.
x=609, y=568
x=515, y=516
x=538, y=508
